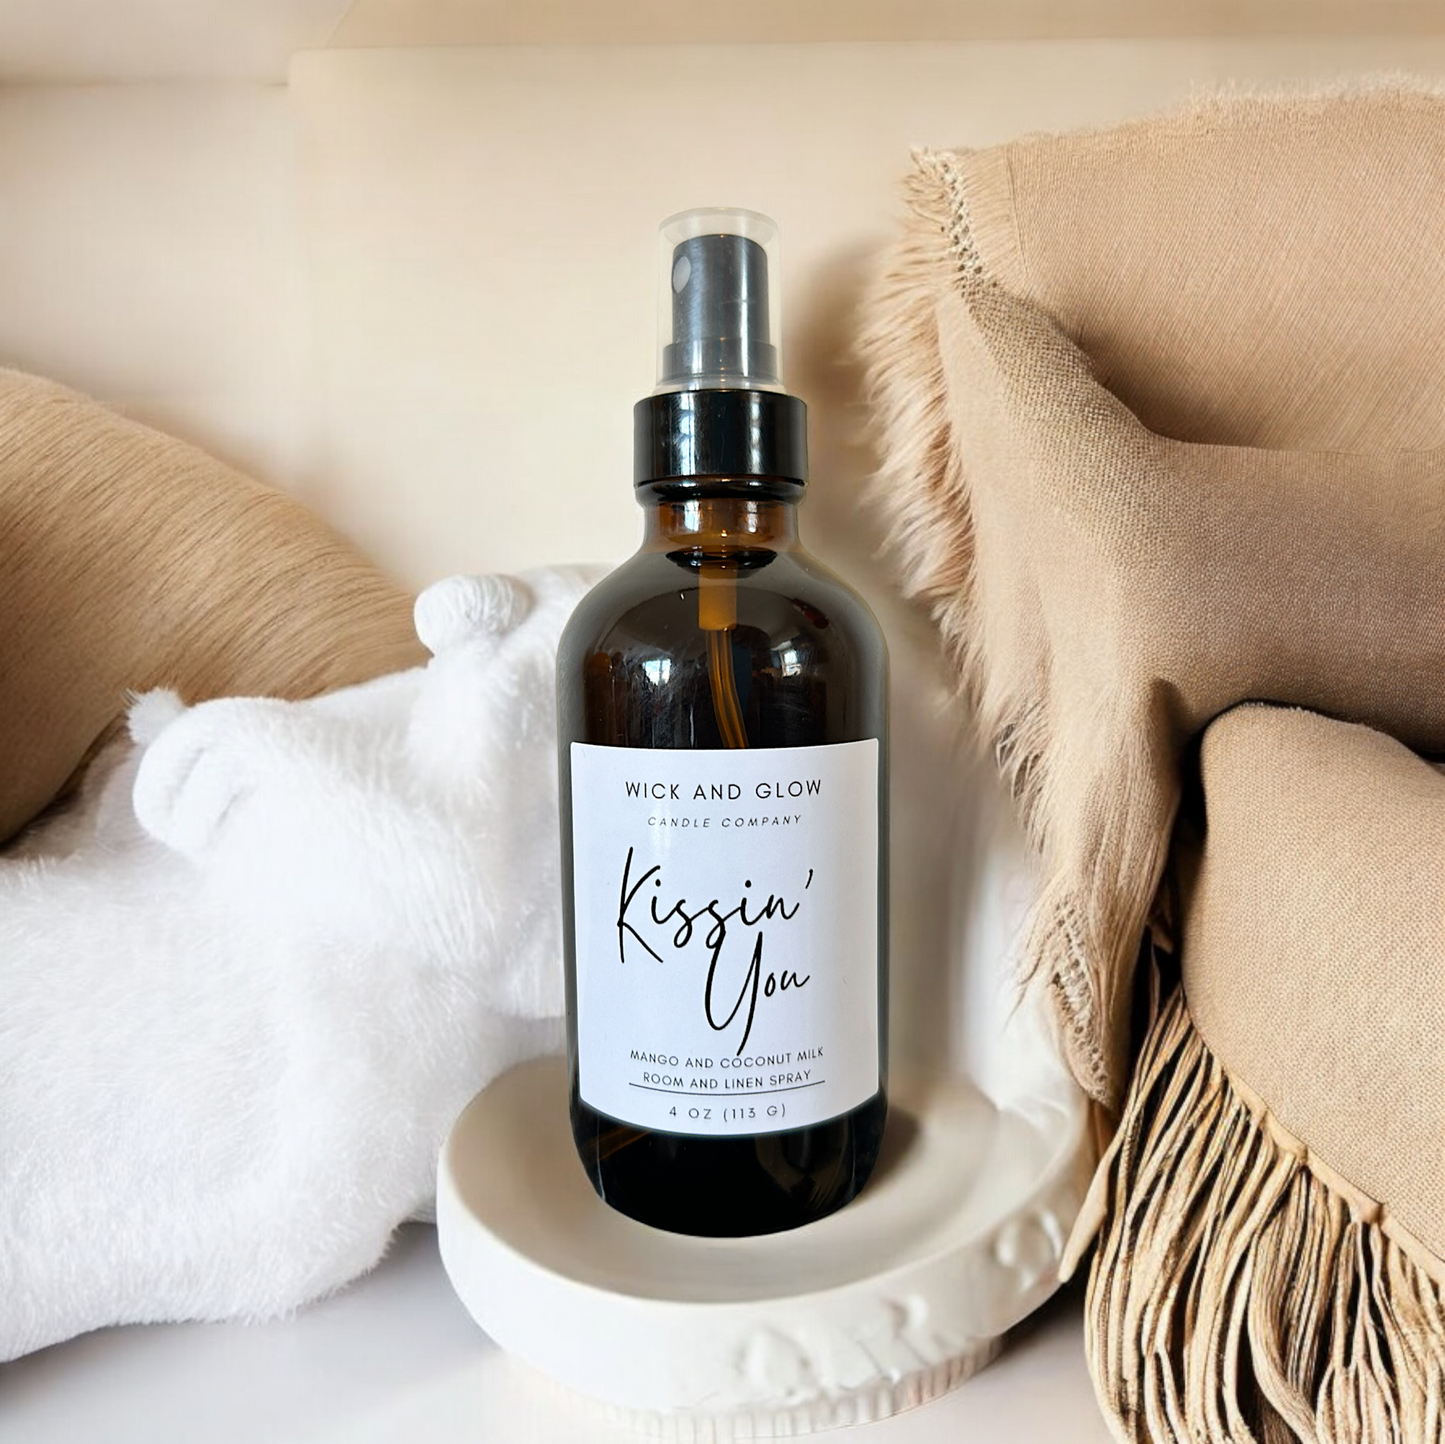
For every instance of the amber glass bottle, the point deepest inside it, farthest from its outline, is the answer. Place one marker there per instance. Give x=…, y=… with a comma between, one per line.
x=722, y=721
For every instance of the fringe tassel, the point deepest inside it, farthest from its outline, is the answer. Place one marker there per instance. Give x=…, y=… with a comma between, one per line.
x=1100, y=885
x=1236, y=1296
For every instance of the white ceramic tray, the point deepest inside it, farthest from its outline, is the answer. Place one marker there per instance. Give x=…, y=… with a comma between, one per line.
x=881, y=1306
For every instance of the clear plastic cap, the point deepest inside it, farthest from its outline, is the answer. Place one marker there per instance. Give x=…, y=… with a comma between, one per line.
x=718, y=318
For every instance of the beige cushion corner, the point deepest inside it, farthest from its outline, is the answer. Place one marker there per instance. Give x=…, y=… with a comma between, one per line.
x=131, y=560
x=1313, y=947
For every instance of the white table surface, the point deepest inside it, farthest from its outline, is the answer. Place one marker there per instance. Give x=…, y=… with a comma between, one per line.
x=396, y=1357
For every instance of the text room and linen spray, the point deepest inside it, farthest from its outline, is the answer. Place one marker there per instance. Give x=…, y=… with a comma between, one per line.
x=723, y=725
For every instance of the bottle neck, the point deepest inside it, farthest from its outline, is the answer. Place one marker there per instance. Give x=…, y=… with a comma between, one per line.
x=716, y=524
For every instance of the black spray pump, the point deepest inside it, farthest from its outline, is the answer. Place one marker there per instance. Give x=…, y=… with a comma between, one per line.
x=719, y=411
x=720, y=322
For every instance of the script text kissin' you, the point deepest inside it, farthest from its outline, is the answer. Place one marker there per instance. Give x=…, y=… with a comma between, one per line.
x=734, y=973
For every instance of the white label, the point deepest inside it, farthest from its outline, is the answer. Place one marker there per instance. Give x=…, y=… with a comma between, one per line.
x=727, y=934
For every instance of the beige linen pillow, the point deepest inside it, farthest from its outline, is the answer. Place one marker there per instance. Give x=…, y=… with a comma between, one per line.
x=1162, y=410
x=1273, y=1205
x=130, y=560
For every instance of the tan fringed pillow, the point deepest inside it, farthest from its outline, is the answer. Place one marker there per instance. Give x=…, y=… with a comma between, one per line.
x=1162, y=413
x=131, y=560
x=1272, y=1252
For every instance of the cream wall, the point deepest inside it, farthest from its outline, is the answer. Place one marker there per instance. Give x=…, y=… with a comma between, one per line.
x=415, y=288
x=151, y=254
x=480, y=225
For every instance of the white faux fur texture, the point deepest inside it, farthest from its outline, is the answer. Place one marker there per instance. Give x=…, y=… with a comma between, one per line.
x=239, y=1013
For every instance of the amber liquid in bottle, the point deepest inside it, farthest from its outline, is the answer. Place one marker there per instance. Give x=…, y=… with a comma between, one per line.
x=722, y=726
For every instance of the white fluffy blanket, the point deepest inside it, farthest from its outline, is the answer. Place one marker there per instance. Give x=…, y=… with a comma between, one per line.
x=249, y=979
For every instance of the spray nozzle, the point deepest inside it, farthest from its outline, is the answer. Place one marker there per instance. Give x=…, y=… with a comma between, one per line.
x=718, y=314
